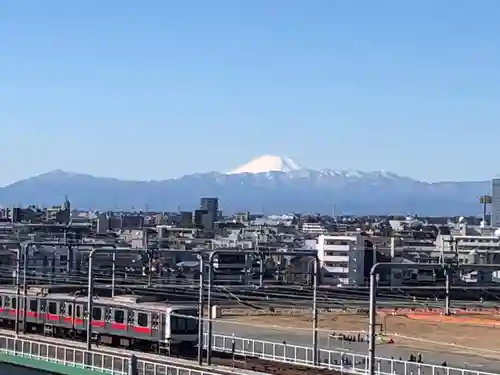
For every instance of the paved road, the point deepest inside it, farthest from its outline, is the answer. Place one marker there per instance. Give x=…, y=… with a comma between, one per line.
x=304, y=338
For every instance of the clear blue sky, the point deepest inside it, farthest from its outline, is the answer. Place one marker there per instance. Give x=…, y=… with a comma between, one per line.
x=101, y=87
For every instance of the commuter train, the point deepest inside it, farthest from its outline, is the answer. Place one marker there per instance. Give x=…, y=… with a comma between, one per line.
x=124, y=320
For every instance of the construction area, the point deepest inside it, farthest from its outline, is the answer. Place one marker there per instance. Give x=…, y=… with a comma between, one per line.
x=474, y=333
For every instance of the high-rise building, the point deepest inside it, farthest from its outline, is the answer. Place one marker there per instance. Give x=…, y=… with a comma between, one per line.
x=211, y=205
x=210, y=209
x=495, y=202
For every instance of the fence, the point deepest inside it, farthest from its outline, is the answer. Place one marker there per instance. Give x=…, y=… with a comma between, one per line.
x=332, y=359
x=68, y=359
x=347, y=362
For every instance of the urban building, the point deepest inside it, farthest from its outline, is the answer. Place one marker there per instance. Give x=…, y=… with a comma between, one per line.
x=313, y=228
x=211, y=205
x=342, y=258
x=495, y=202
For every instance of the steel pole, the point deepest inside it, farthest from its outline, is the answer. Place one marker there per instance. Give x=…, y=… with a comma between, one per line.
x=25, y=286
x=89, y=300
x=315, y=312
x=447, y=291
x=372, y=322
x=200, y=311
x=373, y=302
x=209, y=292
x=261, y=271
x=209, y=306
x=113, y=275
x=25, y=251
x=18, y=289
x=150, y=266
x=90, y=295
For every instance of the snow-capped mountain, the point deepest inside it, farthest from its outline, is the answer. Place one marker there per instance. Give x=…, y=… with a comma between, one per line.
x=269, y=183
x=267, y=163
x=271, y=163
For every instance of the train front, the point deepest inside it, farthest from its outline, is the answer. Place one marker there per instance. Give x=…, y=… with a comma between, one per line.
x=182, y=328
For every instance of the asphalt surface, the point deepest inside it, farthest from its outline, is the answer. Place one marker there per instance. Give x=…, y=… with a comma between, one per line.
x=303, y=338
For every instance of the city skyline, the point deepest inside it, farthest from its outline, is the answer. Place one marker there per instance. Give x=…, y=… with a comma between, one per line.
x=98, y=89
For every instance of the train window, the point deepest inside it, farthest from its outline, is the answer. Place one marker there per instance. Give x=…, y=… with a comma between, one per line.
x=142, y=320
x=119, y=316
x=33, y=305
x=52, y=309
x=78, y=311
x=13, y=303
x=183, y=324
x=96, y=313
x=70, y=310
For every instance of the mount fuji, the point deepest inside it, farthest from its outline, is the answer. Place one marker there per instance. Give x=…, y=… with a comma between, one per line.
x=269, y=184
x=267, y=163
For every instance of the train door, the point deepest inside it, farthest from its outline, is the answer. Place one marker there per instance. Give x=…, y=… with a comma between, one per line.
x=52, y=314
x=142, y=326
x=68, y=316
x=79, y=317
x=43, y=310
x=130, y=322
x=98, y=319
x=2, y=307
x=156, y=325
x=12, y=306
x=118, y=321
x=32, y=310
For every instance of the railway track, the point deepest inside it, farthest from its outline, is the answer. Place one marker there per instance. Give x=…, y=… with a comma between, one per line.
x=222, y=363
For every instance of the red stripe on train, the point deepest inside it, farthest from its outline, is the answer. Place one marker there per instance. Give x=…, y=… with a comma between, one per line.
x=144, y=330
x=119, y=326
x=51, y=317
x=97, y=323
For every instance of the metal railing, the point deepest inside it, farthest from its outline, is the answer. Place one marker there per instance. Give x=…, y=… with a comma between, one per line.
x=117, y=365
x=344, y=361
x=89, y=360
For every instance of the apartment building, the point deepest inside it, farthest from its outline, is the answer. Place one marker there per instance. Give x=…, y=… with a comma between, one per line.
x=342, y=258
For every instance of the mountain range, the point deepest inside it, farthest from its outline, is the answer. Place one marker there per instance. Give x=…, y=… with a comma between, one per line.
x=268, y=184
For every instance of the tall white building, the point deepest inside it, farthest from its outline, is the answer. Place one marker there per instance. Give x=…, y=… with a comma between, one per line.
x=495, y=202
x=342, y=258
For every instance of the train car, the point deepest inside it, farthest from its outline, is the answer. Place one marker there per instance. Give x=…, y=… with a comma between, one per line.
x=125, y=320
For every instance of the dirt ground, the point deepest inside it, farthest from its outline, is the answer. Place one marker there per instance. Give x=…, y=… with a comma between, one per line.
x=459, y=338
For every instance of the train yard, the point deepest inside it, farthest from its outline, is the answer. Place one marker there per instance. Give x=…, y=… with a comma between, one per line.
x=282, y=314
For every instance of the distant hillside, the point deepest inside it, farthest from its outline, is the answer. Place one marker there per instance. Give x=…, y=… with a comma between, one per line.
x=299, y=190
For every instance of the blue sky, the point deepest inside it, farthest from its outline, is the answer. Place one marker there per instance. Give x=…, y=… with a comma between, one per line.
x=157, y=89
